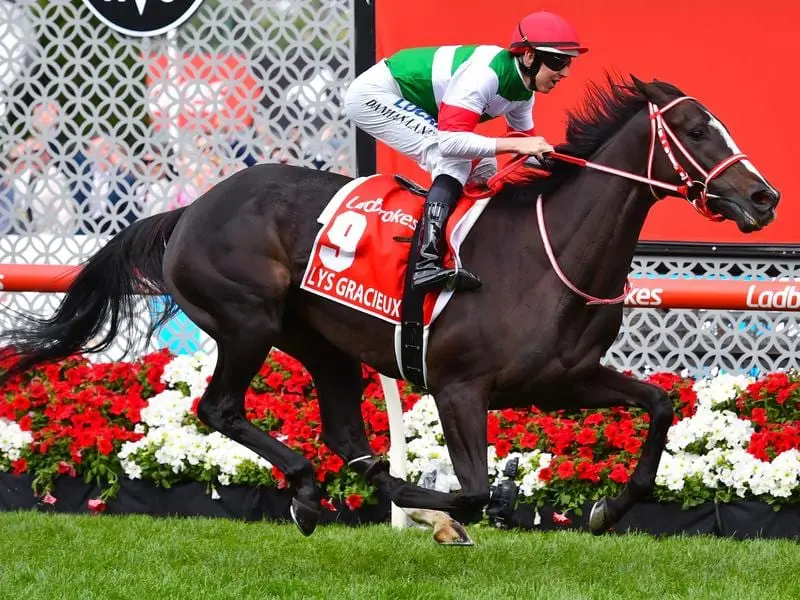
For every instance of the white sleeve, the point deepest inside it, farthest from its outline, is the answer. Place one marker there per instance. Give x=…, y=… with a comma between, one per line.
x=463, y=144
x=463, y=103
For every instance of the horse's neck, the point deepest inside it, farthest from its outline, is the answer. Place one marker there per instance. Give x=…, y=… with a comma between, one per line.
x=594, y=221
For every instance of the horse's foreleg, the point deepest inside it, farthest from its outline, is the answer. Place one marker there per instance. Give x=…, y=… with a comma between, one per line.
x=610, y=388
x=463, y=412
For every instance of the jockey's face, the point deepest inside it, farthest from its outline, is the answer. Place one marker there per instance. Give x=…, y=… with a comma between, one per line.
x=546, y=77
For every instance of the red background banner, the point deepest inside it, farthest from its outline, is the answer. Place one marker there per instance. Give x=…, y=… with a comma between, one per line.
x=738, y=58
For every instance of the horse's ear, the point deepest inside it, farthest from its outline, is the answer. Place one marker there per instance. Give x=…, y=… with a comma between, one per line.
x=652, y=92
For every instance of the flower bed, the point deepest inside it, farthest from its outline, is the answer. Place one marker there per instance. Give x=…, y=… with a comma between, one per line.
x=734, y=438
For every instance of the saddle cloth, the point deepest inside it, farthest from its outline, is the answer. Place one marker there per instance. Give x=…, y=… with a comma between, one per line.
x=360, y=255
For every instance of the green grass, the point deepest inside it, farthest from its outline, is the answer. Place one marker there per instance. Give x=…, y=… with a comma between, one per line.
x=64, y=557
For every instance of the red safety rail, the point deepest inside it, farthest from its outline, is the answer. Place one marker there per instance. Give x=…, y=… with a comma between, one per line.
x=645, y=292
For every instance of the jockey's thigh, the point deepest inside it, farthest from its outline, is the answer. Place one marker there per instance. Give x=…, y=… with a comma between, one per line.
x=483, y=170
x=374, y=103
x=461, y=169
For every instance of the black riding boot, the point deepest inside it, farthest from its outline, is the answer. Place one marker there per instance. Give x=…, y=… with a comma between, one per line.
x=430, y=272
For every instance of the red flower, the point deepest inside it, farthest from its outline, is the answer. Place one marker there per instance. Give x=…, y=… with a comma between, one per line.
x=502, y=447
x=588, y=471
x=96, y=505
x=37, y=391
x=784, y=394
x=593, y=419
x=633, y=445
x=274, y=380
x=64, y=468
x=666, y=381
x=328, y=504
x=619, y=474
x=354, y=501
x=379, y=422
x=759, y=416
x=688, y=397
x=529, y=440
x=104, y=446
x=19, y=466
x=565, y=470
x=546, y=474
x=379, y=444
x=561, y=519
x=586, y=437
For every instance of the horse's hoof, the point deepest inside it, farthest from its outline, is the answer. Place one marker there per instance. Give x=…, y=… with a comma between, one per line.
x=304, y=516
x=452, y=533
x=599, y=520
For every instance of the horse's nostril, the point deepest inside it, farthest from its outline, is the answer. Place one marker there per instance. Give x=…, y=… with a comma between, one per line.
x=765, y=198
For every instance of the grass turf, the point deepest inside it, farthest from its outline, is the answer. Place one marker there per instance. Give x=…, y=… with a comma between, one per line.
x=65, y=557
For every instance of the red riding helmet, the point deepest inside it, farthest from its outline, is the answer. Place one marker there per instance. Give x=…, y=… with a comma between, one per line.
x=545, y=30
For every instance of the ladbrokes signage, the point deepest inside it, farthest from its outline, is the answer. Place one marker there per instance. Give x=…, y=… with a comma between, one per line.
x=143, y=18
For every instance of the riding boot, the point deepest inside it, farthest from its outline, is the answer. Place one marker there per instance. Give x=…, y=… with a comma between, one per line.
x=430, y=271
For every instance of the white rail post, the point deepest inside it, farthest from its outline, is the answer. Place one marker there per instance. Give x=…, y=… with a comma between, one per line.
x=397, y=443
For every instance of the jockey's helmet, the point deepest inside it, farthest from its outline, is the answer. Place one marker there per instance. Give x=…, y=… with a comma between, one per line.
x=547, y=32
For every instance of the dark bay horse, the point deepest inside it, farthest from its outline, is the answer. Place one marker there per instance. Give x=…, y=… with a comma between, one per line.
x=233, y=260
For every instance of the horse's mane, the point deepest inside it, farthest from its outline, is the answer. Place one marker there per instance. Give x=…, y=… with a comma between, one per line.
x=605, y=109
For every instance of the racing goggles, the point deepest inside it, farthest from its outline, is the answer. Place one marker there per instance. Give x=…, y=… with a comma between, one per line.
x=554, y=61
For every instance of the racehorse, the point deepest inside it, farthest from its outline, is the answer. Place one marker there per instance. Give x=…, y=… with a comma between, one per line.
x=553, y=253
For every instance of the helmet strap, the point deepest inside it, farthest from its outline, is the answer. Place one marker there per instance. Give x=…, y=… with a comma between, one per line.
x=532, y=70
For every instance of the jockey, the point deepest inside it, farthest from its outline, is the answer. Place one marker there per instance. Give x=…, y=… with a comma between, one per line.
x=426, y=103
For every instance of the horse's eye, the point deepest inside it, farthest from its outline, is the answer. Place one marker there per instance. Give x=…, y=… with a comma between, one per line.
x=697, y=134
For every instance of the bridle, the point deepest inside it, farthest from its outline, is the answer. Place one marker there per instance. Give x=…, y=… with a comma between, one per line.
x=695, y=192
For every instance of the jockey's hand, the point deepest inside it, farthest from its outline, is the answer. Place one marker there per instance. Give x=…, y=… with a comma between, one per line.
x=532, y=146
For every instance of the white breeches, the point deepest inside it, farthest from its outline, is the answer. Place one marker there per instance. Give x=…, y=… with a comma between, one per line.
x=374, y=103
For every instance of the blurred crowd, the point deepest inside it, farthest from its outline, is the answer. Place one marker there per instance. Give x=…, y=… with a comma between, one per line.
x=50, y=183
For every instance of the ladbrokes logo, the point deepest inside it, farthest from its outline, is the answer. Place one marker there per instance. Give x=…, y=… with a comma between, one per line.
x=787, y=298
x=143, y=18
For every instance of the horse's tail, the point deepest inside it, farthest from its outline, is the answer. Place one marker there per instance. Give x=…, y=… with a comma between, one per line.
x=104, y=292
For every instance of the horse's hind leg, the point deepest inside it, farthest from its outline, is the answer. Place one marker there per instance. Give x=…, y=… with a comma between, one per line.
x=338, y=380
x=245, y=320
x=607, y=389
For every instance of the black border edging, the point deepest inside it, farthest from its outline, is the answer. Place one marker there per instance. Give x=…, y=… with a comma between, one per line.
x=717, y=250
x=364, y=24
x=189, y=499
x=738, y=519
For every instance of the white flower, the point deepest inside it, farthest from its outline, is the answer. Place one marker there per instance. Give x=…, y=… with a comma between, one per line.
x=167, y=409
x=193, y=371
x=179, y=446
x=720, y=439
x=13, y=440
x=720, y=389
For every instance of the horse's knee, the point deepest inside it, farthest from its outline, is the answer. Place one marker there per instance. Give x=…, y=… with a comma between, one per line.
x=217, y=417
